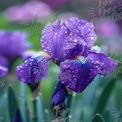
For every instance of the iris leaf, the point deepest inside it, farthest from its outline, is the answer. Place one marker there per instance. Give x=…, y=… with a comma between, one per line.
x=12, y=103
x=104, y=97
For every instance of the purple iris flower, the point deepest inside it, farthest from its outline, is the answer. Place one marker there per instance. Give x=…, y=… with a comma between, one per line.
x=33, y=68
x=28, y=12
x=13, y=44
x=79, y=73
x=110, y=31
x=70, y=44
x=107, y=29
x=66, y=40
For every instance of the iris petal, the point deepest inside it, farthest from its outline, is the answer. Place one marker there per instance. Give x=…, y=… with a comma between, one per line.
x=33, y=69
x=107, y=64
x=83, y=29
x=68, y=39
x=59, y=95
x=78, y=74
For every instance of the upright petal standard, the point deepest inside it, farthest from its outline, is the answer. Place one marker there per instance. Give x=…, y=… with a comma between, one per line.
x=67, y=39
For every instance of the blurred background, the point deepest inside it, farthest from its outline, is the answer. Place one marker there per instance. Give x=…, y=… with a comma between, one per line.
x=103, y=96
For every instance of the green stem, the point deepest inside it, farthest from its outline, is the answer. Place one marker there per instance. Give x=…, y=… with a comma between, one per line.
x=68, y=107
x=35, y=114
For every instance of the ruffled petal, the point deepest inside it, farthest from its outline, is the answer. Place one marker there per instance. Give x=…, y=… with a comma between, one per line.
x=68, y=39
x=84, y=29
x=78, y=74
x=33, y=69
x=3, y=71
x=107, y=66
x=59, y=95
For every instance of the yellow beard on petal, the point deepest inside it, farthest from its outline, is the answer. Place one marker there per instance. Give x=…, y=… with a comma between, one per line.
x=44, y=53
x=81, y=58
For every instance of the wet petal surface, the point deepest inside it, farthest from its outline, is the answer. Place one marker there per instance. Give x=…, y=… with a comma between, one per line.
x=33, y=69
x=68, y=39
x=78, y=74
x=59, y=95
x=107, y=66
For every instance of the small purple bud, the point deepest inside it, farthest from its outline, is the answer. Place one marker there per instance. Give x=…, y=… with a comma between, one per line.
x=58, y=98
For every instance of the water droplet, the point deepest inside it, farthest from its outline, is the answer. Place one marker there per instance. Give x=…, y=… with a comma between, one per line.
x=75, y=40
x=74, y=94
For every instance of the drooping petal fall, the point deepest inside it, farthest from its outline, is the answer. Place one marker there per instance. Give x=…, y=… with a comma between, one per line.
x=108, y=64
x=78, y=74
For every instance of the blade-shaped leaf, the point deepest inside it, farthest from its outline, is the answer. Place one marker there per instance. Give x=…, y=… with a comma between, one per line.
x=40, y=111
x=12, y=103
x=23, y=104
x=4, y=106
x=29, y=97
x=104, y=97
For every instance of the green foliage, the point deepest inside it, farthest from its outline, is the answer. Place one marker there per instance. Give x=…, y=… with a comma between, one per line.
x=12, y=103
x=104, y=97
x=4, y=117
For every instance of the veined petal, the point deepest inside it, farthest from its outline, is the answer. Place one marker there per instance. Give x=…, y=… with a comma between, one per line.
x=78, y=74
x=84, y=29
x=33, y=69
x=59, y=95
x=107, y=64
x=3, y=71
x=68, y=39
